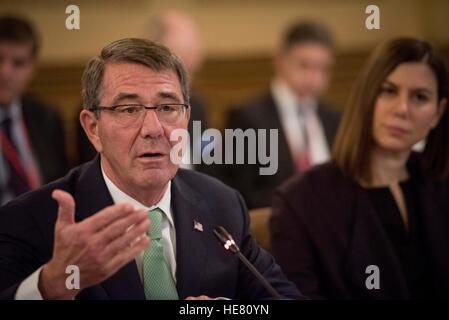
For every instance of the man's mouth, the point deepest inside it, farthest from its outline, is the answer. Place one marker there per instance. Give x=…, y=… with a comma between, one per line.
x=151, y=155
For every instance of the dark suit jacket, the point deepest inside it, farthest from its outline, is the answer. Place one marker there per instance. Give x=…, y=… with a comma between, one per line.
x=325, y=233
x=263, y=114
x=203, y=266
x=47, y=138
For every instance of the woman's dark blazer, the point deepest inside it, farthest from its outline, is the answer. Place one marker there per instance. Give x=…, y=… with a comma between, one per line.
x=325, y=233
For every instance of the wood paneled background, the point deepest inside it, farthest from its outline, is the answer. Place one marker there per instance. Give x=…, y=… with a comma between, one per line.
x=221, y=83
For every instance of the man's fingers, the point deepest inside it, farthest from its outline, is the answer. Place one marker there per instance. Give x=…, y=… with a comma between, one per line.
x=128, y=239
x=66, y=207
x=121, y=227
x=106, y=216
x=128, y=254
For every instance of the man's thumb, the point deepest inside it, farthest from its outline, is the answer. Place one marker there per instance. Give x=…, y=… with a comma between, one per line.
x=66, y=207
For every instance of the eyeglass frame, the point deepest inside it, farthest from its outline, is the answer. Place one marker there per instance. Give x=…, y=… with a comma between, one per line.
x=112, y=108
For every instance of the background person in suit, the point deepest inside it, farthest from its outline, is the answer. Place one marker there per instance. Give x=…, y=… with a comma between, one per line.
x=135, y=93
x=377, y=209
x=180, y=33
x=306, y=125
x=32, y=142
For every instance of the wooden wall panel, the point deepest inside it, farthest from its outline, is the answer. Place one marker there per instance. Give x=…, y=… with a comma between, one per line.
x=222, y=83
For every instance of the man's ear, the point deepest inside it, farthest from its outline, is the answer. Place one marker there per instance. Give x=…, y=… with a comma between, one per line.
x=89, y=122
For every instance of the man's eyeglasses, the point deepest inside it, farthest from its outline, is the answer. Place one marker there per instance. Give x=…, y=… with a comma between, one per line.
x=133, y=114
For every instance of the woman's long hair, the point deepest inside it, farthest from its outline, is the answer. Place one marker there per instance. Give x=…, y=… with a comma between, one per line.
x=354, y=140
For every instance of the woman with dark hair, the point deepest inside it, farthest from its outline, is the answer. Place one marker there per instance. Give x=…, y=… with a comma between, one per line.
x=374, y=221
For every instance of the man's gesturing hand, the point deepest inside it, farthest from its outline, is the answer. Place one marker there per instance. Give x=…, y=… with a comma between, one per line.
x=99, y=246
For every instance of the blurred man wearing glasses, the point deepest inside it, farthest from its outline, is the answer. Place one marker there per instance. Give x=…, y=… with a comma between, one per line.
x=129, y=223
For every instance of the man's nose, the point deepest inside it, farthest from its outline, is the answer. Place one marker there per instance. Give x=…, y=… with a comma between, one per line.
x=151, y=126
x=316, y=78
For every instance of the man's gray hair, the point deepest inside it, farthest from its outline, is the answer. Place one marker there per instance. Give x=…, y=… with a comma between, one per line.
x=133, y=50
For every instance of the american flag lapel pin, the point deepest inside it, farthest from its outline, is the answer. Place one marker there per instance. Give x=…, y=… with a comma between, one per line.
x=197, y=226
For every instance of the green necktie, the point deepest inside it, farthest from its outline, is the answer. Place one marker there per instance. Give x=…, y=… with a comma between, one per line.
x=157, y=279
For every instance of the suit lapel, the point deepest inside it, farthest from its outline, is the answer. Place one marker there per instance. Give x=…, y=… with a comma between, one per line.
x=36, y=138
x=191, y=246
x=91, y=193
x=328, y=124
x=286, y=162
x=435, y=218
x=125, y=284
x=91, y=196
x=369, y=245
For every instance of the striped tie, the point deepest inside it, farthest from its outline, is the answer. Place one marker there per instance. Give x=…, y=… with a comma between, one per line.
x=157, y=279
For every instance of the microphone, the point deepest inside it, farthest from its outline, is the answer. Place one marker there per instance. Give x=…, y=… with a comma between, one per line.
x=229, y=244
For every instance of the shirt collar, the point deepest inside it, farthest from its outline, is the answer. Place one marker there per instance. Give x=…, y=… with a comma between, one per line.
x=119, y=196
x=13, y=111
x=287, y=99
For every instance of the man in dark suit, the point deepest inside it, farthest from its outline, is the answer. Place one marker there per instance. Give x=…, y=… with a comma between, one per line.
x=31, y=133
x=307, y=126
x=129, y=224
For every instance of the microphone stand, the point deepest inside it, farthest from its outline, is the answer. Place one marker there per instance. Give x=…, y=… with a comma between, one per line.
x=229, y=244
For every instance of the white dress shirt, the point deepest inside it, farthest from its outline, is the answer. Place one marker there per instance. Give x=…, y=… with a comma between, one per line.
x=297, y=115
x=28, y=289
x=168, y=227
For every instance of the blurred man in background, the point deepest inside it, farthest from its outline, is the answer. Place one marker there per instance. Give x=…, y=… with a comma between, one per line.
x=180, y=33
x=32, y=137
x=306, y=125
